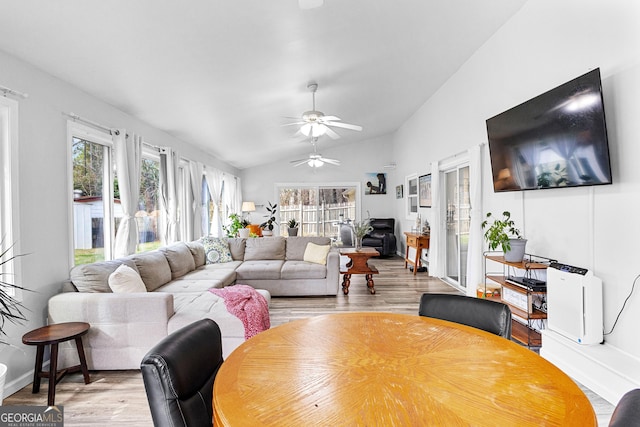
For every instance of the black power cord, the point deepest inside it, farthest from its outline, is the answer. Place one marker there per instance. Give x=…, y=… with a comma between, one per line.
x=623, y=305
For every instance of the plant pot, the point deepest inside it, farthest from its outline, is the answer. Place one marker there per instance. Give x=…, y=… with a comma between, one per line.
x=267, y=233
x=244, y=232
x=292, y=231
x=516, y=254
x=3, y=377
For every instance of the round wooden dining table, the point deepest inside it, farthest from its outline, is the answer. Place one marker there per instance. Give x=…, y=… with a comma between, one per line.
x=384, y=369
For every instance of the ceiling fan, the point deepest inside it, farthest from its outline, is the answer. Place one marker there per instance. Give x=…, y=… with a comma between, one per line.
x=315, y=124
x=315, y=159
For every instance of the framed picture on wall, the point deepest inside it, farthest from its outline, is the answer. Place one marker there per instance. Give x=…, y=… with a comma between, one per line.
x=424, y=191
x=399, y=191
x=376, y=183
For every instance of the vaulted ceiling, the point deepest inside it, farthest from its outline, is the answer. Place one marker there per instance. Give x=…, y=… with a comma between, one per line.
x=224, y=75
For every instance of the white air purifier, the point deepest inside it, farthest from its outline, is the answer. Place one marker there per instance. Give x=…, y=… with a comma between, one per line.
x=574, y=303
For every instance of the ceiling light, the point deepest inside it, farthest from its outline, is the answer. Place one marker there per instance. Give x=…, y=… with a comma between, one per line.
x=313, y=129
x=315, y=163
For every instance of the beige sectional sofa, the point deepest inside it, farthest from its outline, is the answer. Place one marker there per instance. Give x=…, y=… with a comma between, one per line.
x=124, y=326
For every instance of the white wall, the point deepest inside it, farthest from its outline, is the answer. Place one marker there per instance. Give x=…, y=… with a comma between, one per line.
x=546, y=44
x=357, y=159
x=43, y=190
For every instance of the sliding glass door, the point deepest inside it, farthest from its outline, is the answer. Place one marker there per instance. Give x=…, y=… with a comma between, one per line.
x=319, y=209
x=458, y=219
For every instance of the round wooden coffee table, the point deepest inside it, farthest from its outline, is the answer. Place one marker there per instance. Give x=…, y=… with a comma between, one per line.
x=54, y=335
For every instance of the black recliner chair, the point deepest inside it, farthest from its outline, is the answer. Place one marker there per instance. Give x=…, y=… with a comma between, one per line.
x=178, y=375
x=381, y=238
x=490, y=316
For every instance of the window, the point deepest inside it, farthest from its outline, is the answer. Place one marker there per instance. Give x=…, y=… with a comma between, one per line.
x=411, y=207
x=93, y=194
x=319, y=209
x=184, y=200
x=9, y=186
x=148, y=215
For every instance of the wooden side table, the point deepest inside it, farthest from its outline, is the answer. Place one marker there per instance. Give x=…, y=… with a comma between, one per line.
x=358, y=265
x=419, y=242
x=54, y=335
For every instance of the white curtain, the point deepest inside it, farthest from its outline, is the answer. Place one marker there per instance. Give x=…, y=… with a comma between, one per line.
x=232, y=193
x=196, y=171
x=215, y=179
x=128, y=164
x=438, y=229
x=169, y=195
x=475, y=258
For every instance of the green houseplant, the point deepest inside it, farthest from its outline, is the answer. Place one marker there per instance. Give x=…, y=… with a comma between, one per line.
x=267, y=226
x=293, y=225
x=236, y=224
x=11, y=310
x=502, y=232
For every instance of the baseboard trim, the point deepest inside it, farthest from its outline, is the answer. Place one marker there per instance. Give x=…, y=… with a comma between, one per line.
x=22, y=381
x=603, y=368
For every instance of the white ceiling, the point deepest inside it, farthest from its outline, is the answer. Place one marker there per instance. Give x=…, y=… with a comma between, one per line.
x=223, y=75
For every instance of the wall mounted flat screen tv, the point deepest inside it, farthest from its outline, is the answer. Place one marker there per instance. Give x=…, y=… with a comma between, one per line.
x=557, y=139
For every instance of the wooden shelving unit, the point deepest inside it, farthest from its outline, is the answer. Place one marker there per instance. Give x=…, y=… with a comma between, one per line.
x=522, y=330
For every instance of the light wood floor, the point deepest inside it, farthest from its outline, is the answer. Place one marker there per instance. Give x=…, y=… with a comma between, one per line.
x=118, y=397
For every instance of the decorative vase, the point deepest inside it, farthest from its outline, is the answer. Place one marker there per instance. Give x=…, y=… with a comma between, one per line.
x=267, y=233
x=516, y=254
x=292, y=231
x=244, y=232
x=358, y=243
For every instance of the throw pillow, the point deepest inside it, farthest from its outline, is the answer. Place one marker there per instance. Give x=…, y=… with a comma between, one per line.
x=216, y=250
x=126, y=280
x=316, y=253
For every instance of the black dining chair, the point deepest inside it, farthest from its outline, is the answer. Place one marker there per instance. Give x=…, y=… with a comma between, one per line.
x=627, y=411
x=491, y=316
x=178, y=375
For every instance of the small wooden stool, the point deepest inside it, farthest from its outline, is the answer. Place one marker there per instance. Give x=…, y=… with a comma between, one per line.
x=53, y=335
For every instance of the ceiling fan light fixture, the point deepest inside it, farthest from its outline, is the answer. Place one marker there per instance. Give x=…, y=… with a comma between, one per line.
x=315, y=163
x=313, y=129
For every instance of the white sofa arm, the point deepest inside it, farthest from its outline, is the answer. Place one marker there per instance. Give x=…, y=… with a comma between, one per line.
x=123, y=326
x=333, y=272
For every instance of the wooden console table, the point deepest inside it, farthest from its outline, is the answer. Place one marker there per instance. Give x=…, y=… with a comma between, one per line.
x=358, y=265
x=419, y=242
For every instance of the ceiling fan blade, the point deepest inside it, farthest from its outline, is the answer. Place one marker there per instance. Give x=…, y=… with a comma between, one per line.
x=331, y=161
x=332, y=134
x=330, y=119
x=344, y=125
x=299, y=162
x=292, y=124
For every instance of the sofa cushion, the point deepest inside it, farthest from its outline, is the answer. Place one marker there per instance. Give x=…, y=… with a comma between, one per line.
x=154, y=269
x=302, y=270
x=126, y=280
x=265, y=248
x=95, y=277
x=259, y=269
x=197, y=250
x=181, y=286
x=316, y=253
x=216, y=250
x=180, y=259
x=237, y=248
x=297, y=245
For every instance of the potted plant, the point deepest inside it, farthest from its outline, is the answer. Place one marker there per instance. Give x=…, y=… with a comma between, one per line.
x=10, y=308
x=360, y=229
x=293, y=227
x=267, y=226
x=236, y=227
x=503, y=233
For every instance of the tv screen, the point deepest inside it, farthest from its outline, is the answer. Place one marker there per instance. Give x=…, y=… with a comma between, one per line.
x=557, y=139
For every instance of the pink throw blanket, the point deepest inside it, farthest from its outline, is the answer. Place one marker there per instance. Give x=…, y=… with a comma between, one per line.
x=247, y=305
